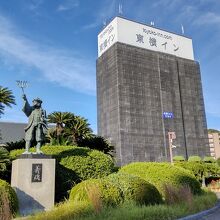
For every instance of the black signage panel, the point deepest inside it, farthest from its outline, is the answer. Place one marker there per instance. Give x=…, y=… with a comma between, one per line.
x=36, y=172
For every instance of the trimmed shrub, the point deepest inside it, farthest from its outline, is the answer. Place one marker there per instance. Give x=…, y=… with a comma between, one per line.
x=218, y=161
x=212, y=169
x=209, y=160
x=197, y=168
x=4, y=159
x=178, y=158
x=15, y=145
x=74, y=164
x=11, y=197
x=109, y=194
x=195, y=158
x=5, y=165
x=160, y=174
x=94, y=165
x=135, y=189
x=200, y=169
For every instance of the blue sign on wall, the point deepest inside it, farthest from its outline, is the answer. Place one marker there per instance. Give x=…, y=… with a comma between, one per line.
x=168, y=115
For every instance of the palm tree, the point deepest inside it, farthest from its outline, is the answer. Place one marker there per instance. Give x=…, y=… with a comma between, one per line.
x=60, y=119
x=6, y=98
x=78, y=129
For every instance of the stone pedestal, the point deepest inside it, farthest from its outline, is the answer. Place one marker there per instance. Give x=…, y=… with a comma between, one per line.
x=33, y=178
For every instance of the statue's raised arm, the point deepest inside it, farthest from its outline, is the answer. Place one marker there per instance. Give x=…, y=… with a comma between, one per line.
x=27, y=109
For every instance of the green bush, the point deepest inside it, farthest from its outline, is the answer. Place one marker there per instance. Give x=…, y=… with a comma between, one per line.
x=135, y=189
x=160, y=174
x=212, y=169
x=15, y=145
x=218, y=161
x=178, y=158
x=128, y=211
x=6, y=189
x=197, y=168
x=97, y=143
x=64, y=211
x=200, y=169
x=195, y=158
x=209, y=160
x=109, y=194
x=5, y=165
x=4, y=159
x=74, y=164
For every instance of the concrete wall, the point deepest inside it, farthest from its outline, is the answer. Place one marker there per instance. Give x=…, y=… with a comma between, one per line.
x=134, y=87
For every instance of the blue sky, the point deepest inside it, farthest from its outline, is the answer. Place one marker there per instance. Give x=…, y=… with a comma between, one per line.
x=53, y=45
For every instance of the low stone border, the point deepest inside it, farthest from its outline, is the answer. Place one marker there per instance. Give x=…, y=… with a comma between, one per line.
x=202, y=214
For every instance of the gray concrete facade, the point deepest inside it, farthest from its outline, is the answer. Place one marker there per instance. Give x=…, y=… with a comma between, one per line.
x=134, y=87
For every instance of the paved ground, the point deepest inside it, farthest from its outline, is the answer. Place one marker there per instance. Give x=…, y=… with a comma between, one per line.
x=212, y=214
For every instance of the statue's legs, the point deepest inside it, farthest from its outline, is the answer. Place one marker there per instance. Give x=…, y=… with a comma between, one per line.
x=28, y=139
x=27, y=147
x=39, y=139
x=38, y=151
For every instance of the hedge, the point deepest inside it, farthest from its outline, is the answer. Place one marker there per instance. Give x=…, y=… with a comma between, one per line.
x=74, y=164
x=135, y=189
x=195, y=158
x=116, y=189
x=200, y=169
x=178, y=158
x=160, y=174
x=103, y=189
x=209, y=159
x=8, y=191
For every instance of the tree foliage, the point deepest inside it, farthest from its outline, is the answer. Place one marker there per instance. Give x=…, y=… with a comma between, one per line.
x=70, y=129
x=211, y=130
x=60, y=119
x=6, y=98
x=98, y=143
x=75, y=130
x=78, y=129
x=13, y=145
x=200, y=169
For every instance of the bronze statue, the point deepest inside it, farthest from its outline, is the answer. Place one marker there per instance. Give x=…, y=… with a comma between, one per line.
x=37, y=124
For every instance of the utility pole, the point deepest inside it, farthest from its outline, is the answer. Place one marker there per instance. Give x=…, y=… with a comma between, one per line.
x=171, y=137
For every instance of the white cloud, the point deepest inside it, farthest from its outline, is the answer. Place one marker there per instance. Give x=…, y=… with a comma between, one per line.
x=194, y=15
x=105, y=13
x=68, y=5
x=207, y=18
x=34, y=5
x=56, y=65
x=167, y=3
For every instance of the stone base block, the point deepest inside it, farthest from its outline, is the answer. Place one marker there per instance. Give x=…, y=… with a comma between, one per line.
x=34, y=182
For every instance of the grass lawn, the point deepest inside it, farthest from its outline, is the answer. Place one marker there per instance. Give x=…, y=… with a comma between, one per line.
x=128, y=211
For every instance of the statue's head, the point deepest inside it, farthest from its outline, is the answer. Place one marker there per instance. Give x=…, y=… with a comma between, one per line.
x=37, y=102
